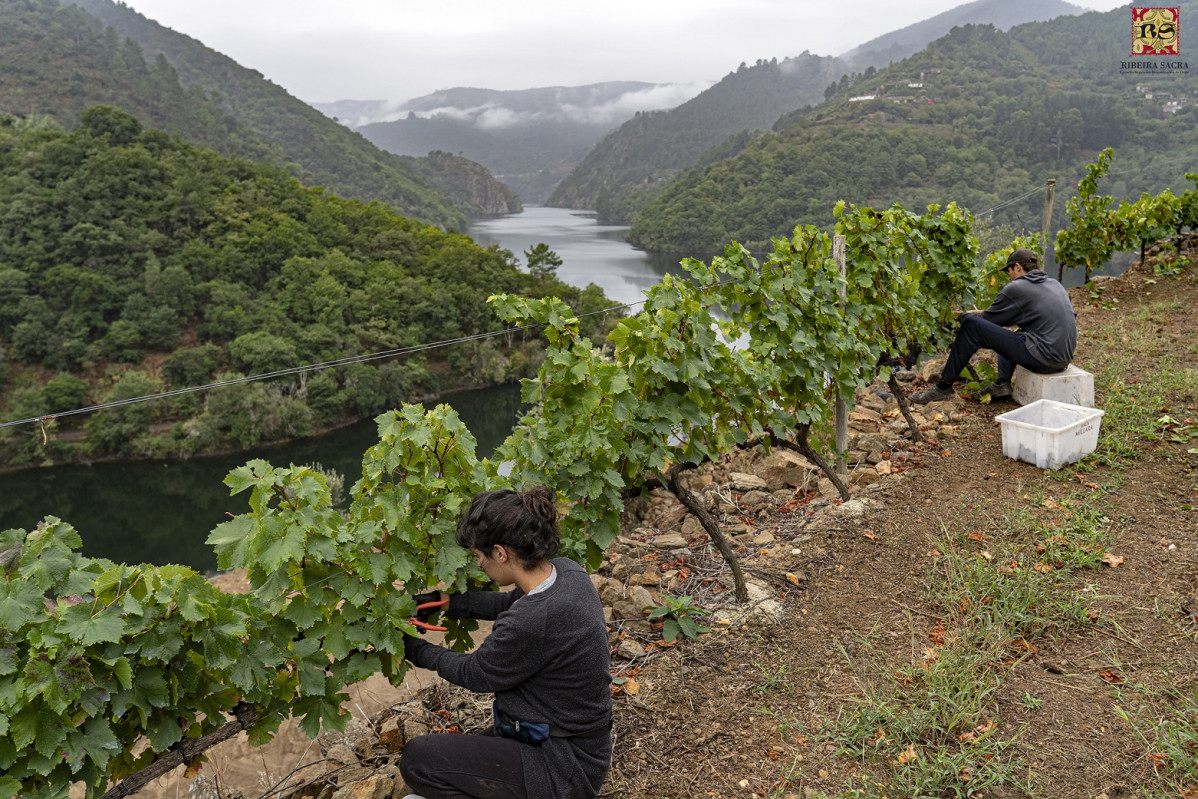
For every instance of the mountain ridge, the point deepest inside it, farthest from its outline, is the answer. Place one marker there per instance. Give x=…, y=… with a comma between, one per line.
x=529, y=138
x=272, y=126
x=994, y=116
x=632, y=164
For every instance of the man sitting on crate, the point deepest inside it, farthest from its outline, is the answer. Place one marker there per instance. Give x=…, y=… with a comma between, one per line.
x=1044, y=343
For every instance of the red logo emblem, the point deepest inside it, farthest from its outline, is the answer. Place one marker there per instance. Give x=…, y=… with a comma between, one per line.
x=1155, y=31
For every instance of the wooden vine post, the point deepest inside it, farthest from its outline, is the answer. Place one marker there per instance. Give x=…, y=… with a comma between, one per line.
x=842, y=421
x=1047, y=220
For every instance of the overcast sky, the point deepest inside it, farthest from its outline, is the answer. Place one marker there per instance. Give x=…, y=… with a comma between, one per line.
x=321, y=50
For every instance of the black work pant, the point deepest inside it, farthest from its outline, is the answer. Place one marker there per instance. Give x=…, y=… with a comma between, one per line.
x=976, y=333
x=463, y=767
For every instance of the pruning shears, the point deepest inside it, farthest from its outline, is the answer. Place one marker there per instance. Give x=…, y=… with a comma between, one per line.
x=426, y=609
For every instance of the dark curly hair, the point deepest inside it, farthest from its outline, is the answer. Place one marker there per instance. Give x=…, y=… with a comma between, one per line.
x=525, y=522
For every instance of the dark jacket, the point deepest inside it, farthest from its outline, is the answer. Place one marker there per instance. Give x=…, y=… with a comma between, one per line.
x=546, y=660
x=1039, y=306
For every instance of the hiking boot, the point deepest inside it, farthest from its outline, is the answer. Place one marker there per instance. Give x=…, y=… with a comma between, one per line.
x=998, y=390
x=933, y=393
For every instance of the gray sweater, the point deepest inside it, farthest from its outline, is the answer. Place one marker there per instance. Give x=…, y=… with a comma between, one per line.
x=1039, y=306
x=546, y=660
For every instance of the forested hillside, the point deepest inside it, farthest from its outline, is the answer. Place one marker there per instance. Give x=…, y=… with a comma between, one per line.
x=467, y=182
x=633, y=164
x=634, y=161
x=58, y=60
x=132, y=263
x=979, y=117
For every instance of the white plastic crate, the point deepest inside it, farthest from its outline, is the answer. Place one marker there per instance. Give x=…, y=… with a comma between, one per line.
x=1050, y=434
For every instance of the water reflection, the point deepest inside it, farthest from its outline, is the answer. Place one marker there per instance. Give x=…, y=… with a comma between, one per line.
x=590, y=252
x=161, y=512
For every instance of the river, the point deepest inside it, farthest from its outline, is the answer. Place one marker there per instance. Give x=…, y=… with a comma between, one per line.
x=590, y=252
x=162, y=511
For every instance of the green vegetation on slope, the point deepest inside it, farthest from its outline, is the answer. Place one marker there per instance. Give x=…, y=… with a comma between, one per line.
x=996, y=115
x=636, y=160
x=132, y=262
x=56, y=60
x=467, y=182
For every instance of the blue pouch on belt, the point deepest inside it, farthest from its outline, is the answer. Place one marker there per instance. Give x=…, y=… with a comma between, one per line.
x=528, y=732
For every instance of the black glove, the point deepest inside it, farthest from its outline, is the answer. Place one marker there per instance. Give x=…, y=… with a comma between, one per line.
x=412, y=647
x=421, y=599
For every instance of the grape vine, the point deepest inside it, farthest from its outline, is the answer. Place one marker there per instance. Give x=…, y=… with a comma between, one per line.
x=1098, y=230
x=97, y=657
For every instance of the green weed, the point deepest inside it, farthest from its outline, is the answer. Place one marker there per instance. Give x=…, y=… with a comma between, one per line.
x=1135, y=401
x=678, y=617
x=1171, y=267
x=1030, y=702
x=928, y=728
x=1168, y=736
x=773, y=679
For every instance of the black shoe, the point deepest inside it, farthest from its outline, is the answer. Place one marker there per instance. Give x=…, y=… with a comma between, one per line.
x=933, y=393
x=998, y=390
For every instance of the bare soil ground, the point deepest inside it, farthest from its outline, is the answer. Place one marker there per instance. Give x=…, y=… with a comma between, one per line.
x=757, y=707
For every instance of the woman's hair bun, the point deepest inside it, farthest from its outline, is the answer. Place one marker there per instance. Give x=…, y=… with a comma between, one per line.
x=540, y=502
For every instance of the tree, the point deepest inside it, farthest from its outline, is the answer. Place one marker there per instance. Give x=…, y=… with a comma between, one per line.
x=261, y=352
x=542, y=262
x=64, y=393
x=112, y=429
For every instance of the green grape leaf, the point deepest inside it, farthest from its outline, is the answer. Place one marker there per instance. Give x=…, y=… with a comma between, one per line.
x=150, y=688
x=303, y=612
x=105, y=626
x=319, y=711
x=20, y=603
x=283, y=546
x=98, y=741
x=164, y=732
x=231, y=540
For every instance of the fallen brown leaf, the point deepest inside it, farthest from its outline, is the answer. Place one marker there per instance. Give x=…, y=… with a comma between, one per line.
x=1112, y=560
x=909, y=754
x=1110, y=676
